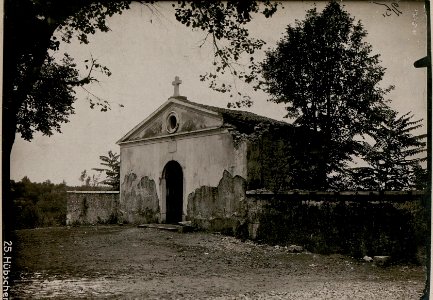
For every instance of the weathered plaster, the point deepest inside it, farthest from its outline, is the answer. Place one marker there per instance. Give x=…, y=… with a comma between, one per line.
x=140, y=200
x=189, y=120
x=218, y=208
x=202, y=156
x=154, y=129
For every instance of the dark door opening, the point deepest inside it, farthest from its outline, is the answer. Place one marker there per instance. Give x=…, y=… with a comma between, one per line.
x=173, y=192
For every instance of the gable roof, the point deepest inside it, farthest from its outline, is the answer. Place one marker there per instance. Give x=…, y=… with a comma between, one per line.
x=242, y=121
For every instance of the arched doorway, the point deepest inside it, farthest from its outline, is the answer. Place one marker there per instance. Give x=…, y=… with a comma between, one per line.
x=173, y=176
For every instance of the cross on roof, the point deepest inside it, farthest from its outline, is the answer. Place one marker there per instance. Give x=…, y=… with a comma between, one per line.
x=176, y=84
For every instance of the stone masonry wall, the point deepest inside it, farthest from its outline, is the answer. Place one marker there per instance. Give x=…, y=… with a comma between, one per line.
x=92, y=207
x=219, y=208
x=354, y=223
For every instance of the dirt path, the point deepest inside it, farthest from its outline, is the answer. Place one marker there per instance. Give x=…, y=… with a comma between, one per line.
x=137, y=263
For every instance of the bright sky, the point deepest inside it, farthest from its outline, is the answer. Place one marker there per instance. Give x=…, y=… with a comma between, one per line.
x=146, y=51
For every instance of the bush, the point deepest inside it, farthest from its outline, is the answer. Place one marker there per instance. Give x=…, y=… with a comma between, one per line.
x=351, y=228
x=38, y=204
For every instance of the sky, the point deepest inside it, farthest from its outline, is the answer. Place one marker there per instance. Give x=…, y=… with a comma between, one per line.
x=145, y=50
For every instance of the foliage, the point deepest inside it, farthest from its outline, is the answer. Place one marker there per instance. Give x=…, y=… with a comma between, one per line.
x=224, y=22
x=393, y=159
x=421, y=178
x=111, y=169
x=270, y=167
x=352, y=228
x=90, y=181
x=38, y=204
x=49, y=102
x=39, y=90
x=329, y=80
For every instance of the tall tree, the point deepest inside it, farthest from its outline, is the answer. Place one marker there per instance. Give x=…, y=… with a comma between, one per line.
x=38, y=90
x=394, y=156
x=329, y=80
x=111, y=169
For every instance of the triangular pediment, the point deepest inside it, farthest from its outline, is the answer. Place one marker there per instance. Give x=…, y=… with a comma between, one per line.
x=175, y=116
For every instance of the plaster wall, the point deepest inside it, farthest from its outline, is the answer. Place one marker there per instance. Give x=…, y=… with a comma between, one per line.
x=203, y=156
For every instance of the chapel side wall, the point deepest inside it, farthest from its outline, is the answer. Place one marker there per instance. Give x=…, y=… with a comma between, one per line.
x=204, y=158
x=283, y=159
x=270, y=160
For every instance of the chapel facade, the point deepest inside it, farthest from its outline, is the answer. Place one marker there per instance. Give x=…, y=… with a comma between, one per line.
x=189, y=161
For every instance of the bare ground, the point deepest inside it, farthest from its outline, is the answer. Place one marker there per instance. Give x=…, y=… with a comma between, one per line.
x=118, y=262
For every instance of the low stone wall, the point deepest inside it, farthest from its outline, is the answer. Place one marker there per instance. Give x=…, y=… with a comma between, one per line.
x=92, y=207
x=354, y=223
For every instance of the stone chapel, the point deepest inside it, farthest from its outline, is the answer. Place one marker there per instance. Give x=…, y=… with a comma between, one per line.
x=189, y=161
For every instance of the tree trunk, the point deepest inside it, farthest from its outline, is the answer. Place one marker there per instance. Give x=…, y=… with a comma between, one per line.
x=27, y=39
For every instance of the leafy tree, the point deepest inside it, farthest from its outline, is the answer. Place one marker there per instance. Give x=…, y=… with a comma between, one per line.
x=393, y=159
x=271, y=168
x=38, y=90
x=38, y=204
x=90, y=181
x=329, y=80
x=421, y=178
x=224, y=23
x=111, y=170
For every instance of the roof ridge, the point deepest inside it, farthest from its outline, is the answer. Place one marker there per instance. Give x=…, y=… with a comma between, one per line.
x=248, y=114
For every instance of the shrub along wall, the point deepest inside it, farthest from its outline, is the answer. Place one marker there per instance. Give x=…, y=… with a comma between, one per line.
x=37, y=204
x=357, y=225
